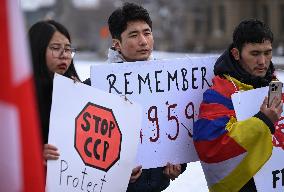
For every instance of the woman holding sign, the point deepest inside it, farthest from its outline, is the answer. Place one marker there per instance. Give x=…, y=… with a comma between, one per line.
x=51, y=53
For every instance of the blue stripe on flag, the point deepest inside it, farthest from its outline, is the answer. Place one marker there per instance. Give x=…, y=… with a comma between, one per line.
x=205, y=129
x=211, y=96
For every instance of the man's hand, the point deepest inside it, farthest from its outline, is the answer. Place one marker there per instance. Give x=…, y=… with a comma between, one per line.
x=136, y=172
x=75, y=79
x=50, y=152
x=274, y=111
x=172, y=171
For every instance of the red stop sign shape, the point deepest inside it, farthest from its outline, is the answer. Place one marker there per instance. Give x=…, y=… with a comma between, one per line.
x=97, y=137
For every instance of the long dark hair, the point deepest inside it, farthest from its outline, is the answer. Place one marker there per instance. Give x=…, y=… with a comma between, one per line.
x=40, y=35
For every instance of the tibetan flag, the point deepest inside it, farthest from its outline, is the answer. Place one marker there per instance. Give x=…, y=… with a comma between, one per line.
x=21, y=167
x=231, y=152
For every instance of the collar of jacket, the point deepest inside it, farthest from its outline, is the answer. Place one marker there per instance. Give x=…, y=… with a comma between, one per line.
x=227, y=65
x=115, y=57
x=238, y=85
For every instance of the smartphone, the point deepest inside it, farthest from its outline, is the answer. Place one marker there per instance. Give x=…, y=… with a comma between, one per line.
x=275, y=90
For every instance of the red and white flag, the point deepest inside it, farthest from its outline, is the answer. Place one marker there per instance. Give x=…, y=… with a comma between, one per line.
x=21, y=166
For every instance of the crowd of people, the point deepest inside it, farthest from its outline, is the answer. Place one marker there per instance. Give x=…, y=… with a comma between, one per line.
x=245, y=65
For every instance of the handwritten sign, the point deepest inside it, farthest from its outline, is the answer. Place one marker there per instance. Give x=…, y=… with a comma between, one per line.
x=271, y=176
x=170, y=92
x=95, y=138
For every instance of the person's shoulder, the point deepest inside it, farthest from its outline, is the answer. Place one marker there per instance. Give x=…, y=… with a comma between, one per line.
x=220, y=80
x=223, y=86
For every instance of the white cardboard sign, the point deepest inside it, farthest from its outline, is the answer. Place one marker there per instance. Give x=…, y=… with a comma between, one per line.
x=97, y=135
x=170, y=92
x=271, y=176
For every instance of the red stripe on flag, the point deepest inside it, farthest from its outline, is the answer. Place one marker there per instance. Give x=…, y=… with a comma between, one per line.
x=4, y=55
x=219, y=149
x=22, y=96
x=219, y=84
x=31, y=143
x=208, y=111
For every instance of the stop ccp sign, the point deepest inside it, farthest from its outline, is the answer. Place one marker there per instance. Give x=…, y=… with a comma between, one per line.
x=97, y=137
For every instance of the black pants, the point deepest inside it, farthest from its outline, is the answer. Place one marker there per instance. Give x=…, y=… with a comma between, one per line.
x=249, y=186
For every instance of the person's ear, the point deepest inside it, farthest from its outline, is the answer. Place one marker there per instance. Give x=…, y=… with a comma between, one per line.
x=116, y=44
x=235, y=53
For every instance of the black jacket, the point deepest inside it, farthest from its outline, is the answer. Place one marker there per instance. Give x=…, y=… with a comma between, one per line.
x=151, y=180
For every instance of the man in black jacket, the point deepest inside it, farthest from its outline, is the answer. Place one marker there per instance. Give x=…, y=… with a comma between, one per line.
x=236, y=150
x=132, y=40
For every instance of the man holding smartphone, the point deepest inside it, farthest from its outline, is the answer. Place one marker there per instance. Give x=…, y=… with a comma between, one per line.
x=231, y=151
x=275, y=90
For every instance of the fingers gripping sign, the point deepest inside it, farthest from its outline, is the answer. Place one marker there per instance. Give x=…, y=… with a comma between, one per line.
x=50, y=152
x=172, y=171
x=136, y=172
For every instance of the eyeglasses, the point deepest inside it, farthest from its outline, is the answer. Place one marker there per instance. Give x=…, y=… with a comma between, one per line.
x=58, y=51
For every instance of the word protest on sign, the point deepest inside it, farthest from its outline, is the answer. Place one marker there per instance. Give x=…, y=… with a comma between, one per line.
x=170, y=92
x=271, y=176
x=93, y=131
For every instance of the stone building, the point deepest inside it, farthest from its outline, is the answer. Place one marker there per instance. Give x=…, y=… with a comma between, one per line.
x=178, y=26
x=212, y=22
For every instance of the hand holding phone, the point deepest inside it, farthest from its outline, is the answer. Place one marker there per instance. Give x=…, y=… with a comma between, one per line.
x=275, y=90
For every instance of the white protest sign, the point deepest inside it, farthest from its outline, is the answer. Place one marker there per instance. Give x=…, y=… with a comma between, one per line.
x=170, y=92
x=271, y=176
x=97, y=137
x=247, y=104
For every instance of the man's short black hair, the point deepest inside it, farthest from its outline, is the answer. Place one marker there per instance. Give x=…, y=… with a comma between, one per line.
x=118, y=20
x=251, y=31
